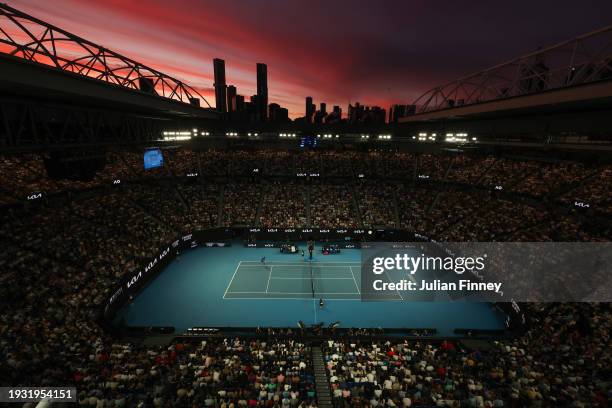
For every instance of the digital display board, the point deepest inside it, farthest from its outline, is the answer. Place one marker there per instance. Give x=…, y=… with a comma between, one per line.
x=309, y=142
x=153, y=158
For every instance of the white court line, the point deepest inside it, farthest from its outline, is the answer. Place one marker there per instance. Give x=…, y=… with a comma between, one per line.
x=293, y=264
x=300, y=262
x=398, y=292
x=269, y=277
x=409, y=275
x=309, y=278
x=299, y=265
x=305, y=298
x=300, y=293
x=355, y=280
x=231, y=280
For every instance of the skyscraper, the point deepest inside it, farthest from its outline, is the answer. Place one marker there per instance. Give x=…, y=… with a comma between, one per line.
x=337, y=111
x=262, y=91
x=354, y=112
x=253, y=109
x=335, y=115
x=310, y=109
x=239, y=103
x=220, y=87
x=365, y=114
x=319, y=116
x=231, y=98
x=398, y=111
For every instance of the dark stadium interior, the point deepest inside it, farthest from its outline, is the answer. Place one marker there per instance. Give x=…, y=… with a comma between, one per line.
x=164, y=250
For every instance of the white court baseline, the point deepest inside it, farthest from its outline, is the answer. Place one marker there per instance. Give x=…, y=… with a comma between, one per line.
x=286, y=280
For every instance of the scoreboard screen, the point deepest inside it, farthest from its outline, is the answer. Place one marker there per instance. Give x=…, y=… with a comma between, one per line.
x=153, y=158
x=309, y=142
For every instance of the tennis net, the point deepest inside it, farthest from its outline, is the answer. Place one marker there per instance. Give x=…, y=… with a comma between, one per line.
x=312, y=286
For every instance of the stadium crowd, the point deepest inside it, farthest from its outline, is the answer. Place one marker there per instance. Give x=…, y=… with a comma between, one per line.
x=379, y=179
x=64, y=251
x=331, y=206
x=563, y=360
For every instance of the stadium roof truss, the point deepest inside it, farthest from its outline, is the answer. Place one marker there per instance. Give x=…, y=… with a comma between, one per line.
x=582, y=60
x=27, y=37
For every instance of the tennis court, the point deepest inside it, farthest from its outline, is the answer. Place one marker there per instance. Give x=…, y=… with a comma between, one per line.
x=295, y=280
x=223, y=287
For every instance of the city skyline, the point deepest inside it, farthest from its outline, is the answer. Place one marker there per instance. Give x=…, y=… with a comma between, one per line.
x=233, y=107
x=338, y=57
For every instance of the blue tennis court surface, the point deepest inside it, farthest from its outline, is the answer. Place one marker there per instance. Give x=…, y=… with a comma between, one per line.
x=229, y=287
x=295, y=280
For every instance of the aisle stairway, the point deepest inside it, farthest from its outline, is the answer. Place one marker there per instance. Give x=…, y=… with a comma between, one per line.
x=221, y=206
x=262, y=192
x=355, y=201
x=307, y=206
x=322, y=383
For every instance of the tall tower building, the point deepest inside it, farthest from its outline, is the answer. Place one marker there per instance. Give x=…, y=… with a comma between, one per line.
x=231, y=98
x=310, y=109
x=239, y=103
x=220, y=87
x=396, y=112
x=337, y=112
x=262, y=91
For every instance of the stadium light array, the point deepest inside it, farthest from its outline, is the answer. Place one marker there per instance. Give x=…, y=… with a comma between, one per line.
x=172, y=133
x=287, y=135
x=176, y=138
x=176, y=135
x=456, y=138
x=424, y=137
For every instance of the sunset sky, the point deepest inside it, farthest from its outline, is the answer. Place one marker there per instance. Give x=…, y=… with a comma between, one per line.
x=374, y=52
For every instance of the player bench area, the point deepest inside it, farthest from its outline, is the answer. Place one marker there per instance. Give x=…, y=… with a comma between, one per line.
x=295, y=280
